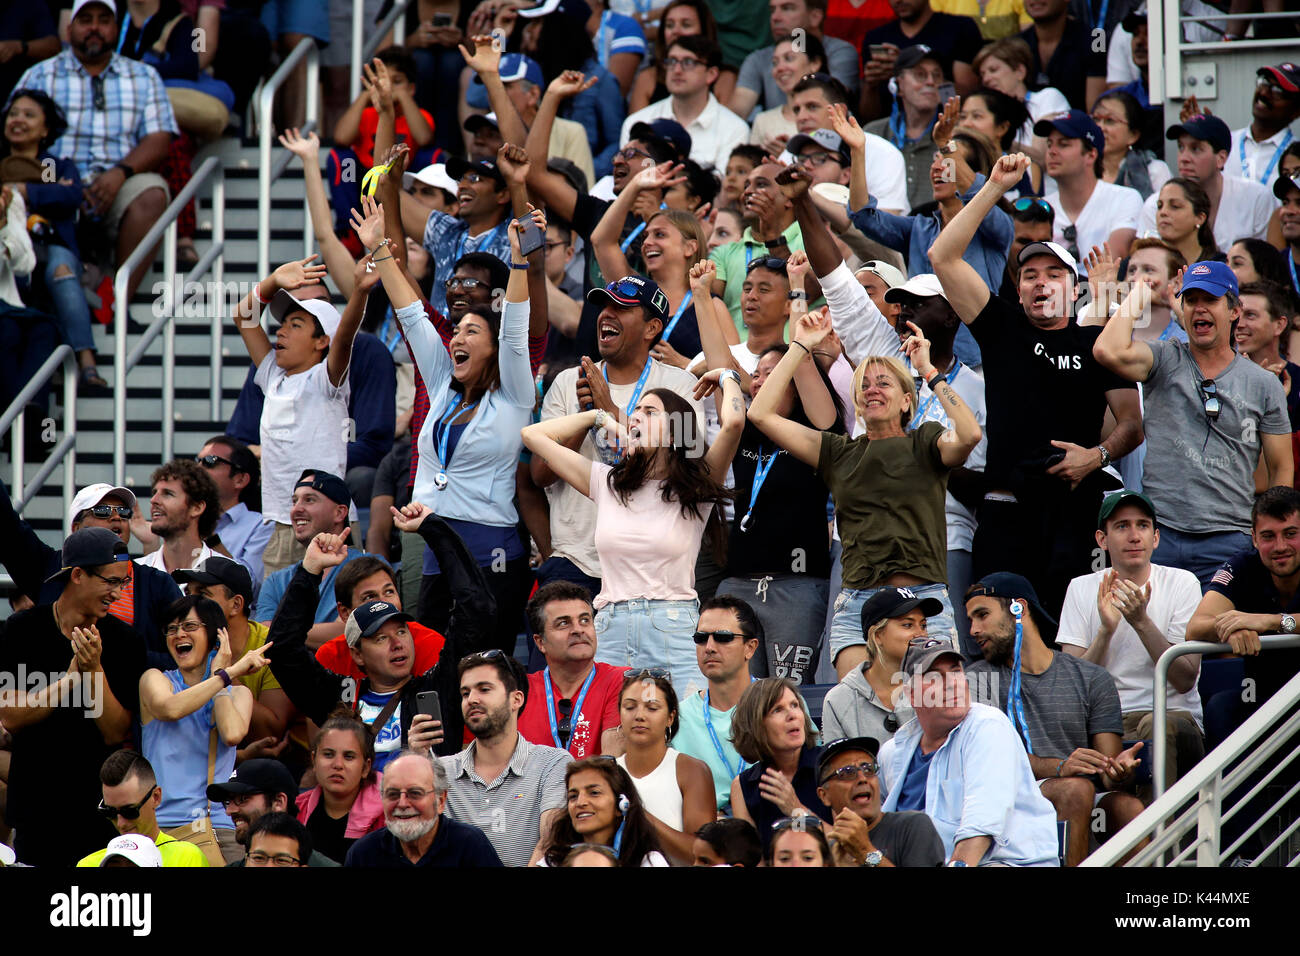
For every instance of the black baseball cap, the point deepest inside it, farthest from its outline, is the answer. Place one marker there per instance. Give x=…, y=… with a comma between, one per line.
x=670, y=131
x=893, y=602
x=1202, y=126
x=260, y=775
x=369, y=617
x=909, y=56
x=836, y=747
x=89, y=548
x=633, y=290
x=457, y=167
x=1283, y=185
x=1004, y=584
x=331, y=486
x=216, y=569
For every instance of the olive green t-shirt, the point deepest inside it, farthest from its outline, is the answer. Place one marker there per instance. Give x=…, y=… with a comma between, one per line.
x=889, y=498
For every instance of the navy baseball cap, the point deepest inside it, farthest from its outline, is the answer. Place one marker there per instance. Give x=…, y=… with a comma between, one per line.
x=517, y=66
x=458, y=167
x=369, y=617
x=633, y=290
x=1004, y=584
x=670, y=131
x=331, y=486
x=216, y=569
x=1074, y=124
x=826, y=139
x=1201, y=126
x=833, y=749
x=1212, y=277
x=1283, y=185
x=893, y=602
x=90, y=548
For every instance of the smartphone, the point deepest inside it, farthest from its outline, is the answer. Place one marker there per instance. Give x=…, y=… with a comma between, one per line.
x=946, y=92
x=442, y=19
x=879, y=49
x=426, y=702
x=531, y=238
x=1054, y=460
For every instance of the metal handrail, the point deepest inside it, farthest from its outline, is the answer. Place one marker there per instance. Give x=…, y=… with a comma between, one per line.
x=1195, y=801
x=166, y=229
x=66, y=447
x=1160, y=691
x=1165, y=20
x=270, y=171
x=395, y=21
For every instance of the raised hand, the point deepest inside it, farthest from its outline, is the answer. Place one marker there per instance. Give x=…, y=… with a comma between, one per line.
x=702, y=275
x=513, y=162
x=708, y=384
x=1009, y=170
x=917, y=349
x=846, y=125
x=793, y=181
x=596, y=387
x=570, y=83
x=326, y=551
x=1103, y=275
x=1191, y=108
x=376, y=78
x=305, y=148
x=665, y=175
x=364, y=275
x=299, y=272
x=369, y=223
x=482, y=54
x=410, y=517
x=796, y=267
x=946, y=122
x=812, y=328
x=396, y=163
x=223, y=657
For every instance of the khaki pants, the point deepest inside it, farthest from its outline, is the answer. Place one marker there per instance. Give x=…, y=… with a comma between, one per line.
x=1184, y=743
x=282, y=549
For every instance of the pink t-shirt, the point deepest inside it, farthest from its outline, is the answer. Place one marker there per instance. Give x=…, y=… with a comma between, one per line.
x=647, y=549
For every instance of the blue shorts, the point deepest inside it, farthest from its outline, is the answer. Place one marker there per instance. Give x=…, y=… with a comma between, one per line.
x=308, y=17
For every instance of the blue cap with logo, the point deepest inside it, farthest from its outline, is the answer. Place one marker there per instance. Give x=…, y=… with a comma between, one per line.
x=1074, y=124
x=1212, y=277
x=517, y=66
x=1203, y=126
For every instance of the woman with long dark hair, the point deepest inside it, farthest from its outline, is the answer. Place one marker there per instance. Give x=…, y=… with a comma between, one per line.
x=651, y=512
x=603, y=809
x=192, y=718
x=1183, y=219
x=33, y=122
x=345, y=804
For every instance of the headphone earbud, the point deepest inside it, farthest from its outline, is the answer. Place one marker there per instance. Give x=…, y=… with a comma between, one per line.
x=893, y=86
x=624, y=804
x=1016, y=608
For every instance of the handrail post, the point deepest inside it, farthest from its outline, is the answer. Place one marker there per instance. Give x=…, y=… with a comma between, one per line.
x=358, y=25
x=217, y=321
x=17, y=452
x=313, y=118
x=169, y=342
x=70, y=373
x=121, y=305
x=1159, y=711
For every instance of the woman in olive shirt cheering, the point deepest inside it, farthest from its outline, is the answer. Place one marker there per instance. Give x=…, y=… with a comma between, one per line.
x=888, y=484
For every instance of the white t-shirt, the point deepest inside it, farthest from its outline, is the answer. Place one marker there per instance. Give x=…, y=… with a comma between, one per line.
x=573, y=515
x=304, y=425
x=1110, y=207
x=1175, y=594
x=1244, y=211
x=887, y=174
x=1259, y=156
x=154, y=559
x=714, y=133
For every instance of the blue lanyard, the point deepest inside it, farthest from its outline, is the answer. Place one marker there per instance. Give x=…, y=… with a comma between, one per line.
x=385, y=327
x=1101, y=20
x=121, y=40
x=442, y=431
x=717, y=744
x=577, y=708
x=760, y=476
x=929, y=402
x=749, y=255
x=1290, y=262
x=491, y=237
x=677, y=316
x=1277, y=154
x=1015, y=702
x=640, y=384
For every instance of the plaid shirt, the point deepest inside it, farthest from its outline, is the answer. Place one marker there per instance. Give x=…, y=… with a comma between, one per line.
x=135, y=104
x=420, y=407
x=447, y=239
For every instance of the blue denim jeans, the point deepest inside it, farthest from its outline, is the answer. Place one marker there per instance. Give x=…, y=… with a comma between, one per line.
x=645, y=633
x=70, y=307
x=1202, y=554
x=846, y=626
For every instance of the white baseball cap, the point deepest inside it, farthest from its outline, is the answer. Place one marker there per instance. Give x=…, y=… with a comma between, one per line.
x=92, y=495
x=434, y=174
x=131, y=846
x=282, y=303
x=7, y=855
x=889, y=275
x=926, y=284
x=76, y=7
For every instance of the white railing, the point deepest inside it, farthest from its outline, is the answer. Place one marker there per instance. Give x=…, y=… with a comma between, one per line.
x=173, y=293
x=1165, y=69
x=1184, y=824
x=361, y=53
x=268, y=171
x=13, y=422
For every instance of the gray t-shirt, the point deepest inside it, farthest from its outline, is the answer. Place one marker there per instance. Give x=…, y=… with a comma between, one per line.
x=1200, y=473
x=756, y=71
x=908, y=838
x=1065, y=705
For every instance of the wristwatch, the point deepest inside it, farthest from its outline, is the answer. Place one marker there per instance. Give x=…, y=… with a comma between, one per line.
x=1105, y=455
x=873, y=858
x=1288, y=624
x=776, y=243
x=125, y=168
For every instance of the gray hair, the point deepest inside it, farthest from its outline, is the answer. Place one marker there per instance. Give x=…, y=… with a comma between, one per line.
x=439, y=771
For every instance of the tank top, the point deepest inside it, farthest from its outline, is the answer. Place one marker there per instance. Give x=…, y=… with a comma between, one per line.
x=659, y=791
x=178, y=751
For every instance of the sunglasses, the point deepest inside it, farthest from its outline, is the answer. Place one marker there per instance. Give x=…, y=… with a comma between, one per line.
x=654, y=673
x=565, y=707
x=1032, y=202
x=492, y=654
x=1210, y=396
x=771, y=263
x=722, y=637
x=130, y=811
x=108, y=511
x=849, y=772
x=97, y=92
x=1071, y=236
x=624, y=289
x=211, y=461
x=801, y=822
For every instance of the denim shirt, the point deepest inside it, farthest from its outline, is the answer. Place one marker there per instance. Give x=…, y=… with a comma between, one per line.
x=980, y=784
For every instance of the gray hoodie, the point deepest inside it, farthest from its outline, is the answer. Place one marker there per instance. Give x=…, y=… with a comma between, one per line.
x=852, y=709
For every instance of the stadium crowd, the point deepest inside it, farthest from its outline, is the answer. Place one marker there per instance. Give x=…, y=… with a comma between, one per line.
x=682, y=352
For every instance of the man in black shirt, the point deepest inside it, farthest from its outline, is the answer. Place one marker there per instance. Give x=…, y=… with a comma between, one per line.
x=1047, y=399
x=69, y=691
x=953, y=41
x=1064, y=53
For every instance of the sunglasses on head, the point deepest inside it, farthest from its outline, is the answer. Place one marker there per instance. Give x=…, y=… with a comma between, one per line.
x=130, y=811
x=654, y=673
x=1032, y=202
x=799, y=822
x=771, y=263
x=722, y=637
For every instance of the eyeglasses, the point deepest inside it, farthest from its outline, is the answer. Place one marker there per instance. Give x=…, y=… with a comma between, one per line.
x=258, y=858
x=413, y=794
x=555, y=244
x=97, y=91
x=465, y=282
x=189, y=627
x=211, y=461
x=1103, y=119
x=798, y=822
x=1032, y=202
x=1210, y=396
x=108, y=511
x=630, y=153
x=130, y=811
x=685, y=62
x=849, y=772
x=818, y=158
x=767, y=262
x=722, y=637
x=114, y=584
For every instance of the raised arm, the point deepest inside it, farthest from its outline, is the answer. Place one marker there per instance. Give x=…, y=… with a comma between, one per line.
x=552, y=188
x=799, y=440
x=1116, y=348
x=815, y=398
x=547, y=439
x=248, y=313
x=483, y=55
x=514, y=164
x=846, y=125
x=338, y=261
x=717, y=354
x=731, y=416
x=364, y=278
x=966, y=292
x=159, y=702
x=955, y=444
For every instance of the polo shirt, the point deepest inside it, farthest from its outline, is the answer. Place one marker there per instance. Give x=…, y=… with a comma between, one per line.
x=174, y=852
x=509, y=808
x=1248, y=585
x=918, y=155
x=714, y=133
x=733, y=259
x=1261, y=159
x=263, y=680
x=454, y=845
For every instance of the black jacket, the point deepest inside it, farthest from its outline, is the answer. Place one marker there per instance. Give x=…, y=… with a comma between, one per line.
x=317, y=691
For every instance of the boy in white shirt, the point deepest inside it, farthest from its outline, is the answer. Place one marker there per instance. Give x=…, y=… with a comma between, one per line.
x=304, y=376
x=1124, y=618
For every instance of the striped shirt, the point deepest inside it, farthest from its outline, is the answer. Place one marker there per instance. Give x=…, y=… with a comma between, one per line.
x=509, y=809
x=134, y=104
